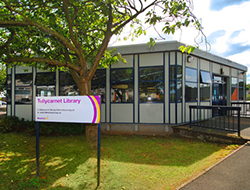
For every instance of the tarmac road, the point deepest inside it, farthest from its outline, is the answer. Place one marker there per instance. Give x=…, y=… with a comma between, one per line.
x=233, y=173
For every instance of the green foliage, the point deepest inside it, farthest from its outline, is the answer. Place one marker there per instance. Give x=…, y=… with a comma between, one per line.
x=31, y=183
x=71, y=33
x=14, y=124
x=2, y=77
x=248, y=97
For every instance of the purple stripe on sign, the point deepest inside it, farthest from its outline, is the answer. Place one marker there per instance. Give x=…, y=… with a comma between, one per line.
x=95, y=109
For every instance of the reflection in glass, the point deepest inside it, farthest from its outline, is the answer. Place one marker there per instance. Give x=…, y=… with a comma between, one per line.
x=99, y=77
x=99, y=89
x=191, y=91
x=234, y=81
x=23, y=95
x=151, y=74
x=45, y=78
x=241, y=82
x=205, y=77
x=121, y=75
x=45, y=91
x=205, y=92
x=66, y=78
x=69, y=90
x=151, y=91
x=122, y=92
x=241, y=94
x=23, y=88
x=191, y=75
x=23, y=79
x=173, y=73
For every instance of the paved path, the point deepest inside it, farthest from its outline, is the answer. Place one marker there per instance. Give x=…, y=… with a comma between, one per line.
x=233, y=173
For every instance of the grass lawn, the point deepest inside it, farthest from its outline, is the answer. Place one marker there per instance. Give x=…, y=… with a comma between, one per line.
x=127, y=162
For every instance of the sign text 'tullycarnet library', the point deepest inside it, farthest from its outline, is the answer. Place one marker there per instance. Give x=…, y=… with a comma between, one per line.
x=75, y=109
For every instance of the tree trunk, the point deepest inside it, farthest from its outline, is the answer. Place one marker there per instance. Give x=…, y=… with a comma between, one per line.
x=91, y=130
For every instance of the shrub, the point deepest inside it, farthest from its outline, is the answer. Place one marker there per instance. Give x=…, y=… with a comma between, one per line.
x=14, y=124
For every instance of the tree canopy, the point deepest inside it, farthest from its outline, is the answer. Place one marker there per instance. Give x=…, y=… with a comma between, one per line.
x=74, y=34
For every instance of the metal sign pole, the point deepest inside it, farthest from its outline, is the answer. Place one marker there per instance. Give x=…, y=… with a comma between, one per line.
x=98, y=154
x=37, y=149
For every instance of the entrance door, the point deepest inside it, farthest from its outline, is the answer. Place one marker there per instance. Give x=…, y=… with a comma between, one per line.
x=219, y=91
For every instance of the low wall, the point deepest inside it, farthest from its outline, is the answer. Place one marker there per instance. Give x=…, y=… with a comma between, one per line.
x=208, y=136
x=146, y=129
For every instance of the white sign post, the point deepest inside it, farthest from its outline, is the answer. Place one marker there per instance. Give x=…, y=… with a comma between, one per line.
x=72, y=109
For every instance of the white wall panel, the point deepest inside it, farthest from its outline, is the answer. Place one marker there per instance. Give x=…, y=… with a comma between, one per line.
x=24, y=111
x=151, y=113
x=172, y=113
x=179, y=58
x=122, y=113
x=186, y=115
x=226, y=70
x=172, y=58
x=152, y=59
x=216, y=68
x=234, y=72
x=179, y=112
x=103, y=111
x=120, y=64
x=23, y=70
x=204, y=65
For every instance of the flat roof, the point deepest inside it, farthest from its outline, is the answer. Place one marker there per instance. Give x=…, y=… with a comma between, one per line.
x=174, y=46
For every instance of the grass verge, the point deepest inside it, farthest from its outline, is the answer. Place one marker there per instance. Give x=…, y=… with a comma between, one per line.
x=128, y=162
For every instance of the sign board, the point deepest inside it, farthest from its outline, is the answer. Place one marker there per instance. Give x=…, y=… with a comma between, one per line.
x=73, y=109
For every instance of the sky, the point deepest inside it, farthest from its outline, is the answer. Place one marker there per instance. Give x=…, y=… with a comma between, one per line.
x=226, y=25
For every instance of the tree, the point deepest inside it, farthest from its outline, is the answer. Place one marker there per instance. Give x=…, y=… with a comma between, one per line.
x=2, y=77
x=74, y=34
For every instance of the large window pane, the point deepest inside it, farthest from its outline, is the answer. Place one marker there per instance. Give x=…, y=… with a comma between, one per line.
x=205, y=92
x=191, y=91
x=99, y=89
x=69, y=90
x=23, y=95
x=241, y=94
x=66, y=78
x=45, y=78
x=99, y=77
x=23, y=88
x=173, y=72
x=234, y=81
x=23, y=79
x=121, y=75
x=122, y=92
x=151, y=74
x=45, y=90
x=241, y=83
x=205, y=77
x=234, y=94
x=151, y=91
x=122, y=87
x=191, y=75
x=172, y=91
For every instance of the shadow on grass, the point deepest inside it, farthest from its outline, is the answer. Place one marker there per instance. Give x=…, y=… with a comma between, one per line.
x=169, y=151
x=67, y=163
